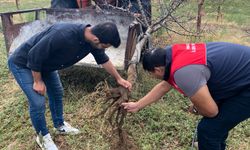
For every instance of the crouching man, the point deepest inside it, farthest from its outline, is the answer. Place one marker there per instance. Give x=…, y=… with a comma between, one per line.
x=216, y=78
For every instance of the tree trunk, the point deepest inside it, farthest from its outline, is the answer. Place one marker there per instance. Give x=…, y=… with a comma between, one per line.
x=200, y=14
x=219, y=12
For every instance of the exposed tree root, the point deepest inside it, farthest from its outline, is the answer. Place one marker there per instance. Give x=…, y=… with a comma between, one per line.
x=113, y=114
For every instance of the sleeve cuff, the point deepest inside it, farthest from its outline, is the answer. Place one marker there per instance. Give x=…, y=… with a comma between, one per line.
x=36, y=68
x=103, y=61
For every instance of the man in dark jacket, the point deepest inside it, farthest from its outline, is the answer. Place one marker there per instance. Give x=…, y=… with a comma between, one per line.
x=216, y=78
x=70, y=3
x=35, y=63
x=64, y=4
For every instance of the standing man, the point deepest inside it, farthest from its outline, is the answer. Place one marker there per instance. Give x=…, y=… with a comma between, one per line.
x=131, y=5
x=70, y=3
x=64, y=4
x=216, y=78
x=35, y=63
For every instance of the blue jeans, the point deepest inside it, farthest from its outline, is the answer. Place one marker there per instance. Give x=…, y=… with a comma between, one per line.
x=36, y=101
x=213, y=132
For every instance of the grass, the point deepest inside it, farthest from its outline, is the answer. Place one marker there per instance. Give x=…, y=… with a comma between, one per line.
x=163, y=125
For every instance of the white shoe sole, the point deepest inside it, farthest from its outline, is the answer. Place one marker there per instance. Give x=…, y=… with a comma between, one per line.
x=39, y=143
x=66, y=133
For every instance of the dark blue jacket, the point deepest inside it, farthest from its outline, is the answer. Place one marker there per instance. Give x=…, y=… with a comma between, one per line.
x=55, y=48
x=64, y=4
x=230, y=69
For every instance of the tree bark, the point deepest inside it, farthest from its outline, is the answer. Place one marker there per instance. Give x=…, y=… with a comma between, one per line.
x=200, y=14
x=219, y=12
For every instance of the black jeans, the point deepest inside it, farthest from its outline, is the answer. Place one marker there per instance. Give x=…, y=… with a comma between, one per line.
x=213, y=132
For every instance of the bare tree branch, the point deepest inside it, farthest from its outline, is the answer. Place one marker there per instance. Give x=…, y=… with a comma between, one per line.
x=179, y=33
x=173, y=6
x=180, y=24
x=144, y=17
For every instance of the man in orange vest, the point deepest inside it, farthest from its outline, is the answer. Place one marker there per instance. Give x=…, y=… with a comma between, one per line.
x=216, y=78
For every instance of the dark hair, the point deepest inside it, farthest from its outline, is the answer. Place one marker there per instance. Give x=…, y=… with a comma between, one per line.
x=107, y=33
x=154, y=58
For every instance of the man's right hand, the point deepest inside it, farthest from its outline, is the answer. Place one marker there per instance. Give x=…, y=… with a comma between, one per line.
x=193, y=110
x=39, y=87
x=38, y=84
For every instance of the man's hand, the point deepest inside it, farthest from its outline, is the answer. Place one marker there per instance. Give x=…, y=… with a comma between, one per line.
x=38, y=84
x=204, y=103
x=154, y=95
x=125, y=83
x=193, y=110
x=108, y=66
x=39, y=87
x=131, y=106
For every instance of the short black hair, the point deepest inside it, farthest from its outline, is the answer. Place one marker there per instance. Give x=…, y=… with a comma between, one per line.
x=154, y=58
x=107, y=33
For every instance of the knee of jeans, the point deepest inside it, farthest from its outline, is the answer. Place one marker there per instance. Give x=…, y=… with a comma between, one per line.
x=9, y=61
x=57, y=95
x=38, y=106
x=60, y=93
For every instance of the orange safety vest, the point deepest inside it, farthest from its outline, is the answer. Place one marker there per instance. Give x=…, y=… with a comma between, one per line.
x=186, y=54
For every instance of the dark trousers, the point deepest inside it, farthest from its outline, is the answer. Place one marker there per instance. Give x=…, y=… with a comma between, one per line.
x=213, y=132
